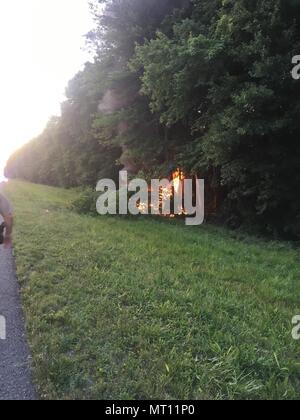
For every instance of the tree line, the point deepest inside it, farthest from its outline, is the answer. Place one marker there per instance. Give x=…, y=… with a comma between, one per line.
x=204, y=85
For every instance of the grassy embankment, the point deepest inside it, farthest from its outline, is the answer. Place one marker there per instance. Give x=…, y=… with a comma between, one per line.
x=140, y=308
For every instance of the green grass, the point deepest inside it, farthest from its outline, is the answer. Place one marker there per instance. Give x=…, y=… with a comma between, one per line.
x=132, y=309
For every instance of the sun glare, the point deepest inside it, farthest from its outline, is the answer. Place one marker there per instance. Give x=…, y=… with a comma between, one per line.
x=41, y=44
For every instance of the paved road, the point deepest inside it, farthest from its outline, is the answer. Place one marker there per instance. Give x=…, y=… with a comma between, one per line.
x=15, y=378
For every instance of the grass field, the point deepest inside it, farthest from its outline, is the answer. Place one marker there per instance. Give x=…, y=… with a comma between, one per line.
x=132, y=309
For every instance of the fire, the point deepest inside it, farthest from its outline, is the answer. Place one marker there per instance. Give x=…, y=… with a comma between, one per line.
x=167, y=193
x=178, y=177
x=143, y=207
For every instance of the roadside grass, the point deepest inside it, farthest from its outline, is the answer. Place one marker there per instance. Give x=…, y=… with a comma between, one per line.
x=140, y=309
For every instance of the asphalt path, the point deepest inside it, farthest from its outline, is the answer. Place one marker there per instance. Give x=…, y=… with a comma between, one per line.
x=15, y=373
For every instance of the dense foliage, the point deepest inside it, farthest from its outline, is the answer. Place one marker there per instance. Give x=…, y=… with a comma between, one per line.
x=204, y=84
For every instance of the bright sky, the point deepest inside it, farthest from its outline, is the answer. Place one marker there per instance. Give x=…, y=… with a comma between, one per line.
x=41, y=47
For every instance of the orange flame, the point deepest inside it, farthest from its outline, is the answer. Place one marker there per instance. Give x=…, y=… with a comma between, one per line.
x=168, y=192
x=178, y=177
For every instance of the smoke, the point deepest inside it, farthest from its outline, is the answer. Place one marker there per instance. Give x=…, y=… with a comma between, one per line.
x=111, y=102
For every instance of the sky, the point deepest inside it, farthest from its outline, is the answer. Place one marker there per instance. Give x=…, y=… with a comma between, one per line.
x=41, y=49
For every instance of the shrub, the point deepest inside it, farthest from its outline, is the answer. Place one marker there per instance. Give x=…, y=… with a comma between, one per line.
x=85, y=203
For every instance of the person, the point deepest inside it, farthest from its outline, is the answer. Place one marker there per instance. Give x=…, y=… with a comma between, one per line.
x=7, y=215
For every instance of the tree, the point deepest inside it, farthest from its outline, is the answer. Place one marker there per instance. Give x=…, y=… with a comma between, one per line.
x=201, y=84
